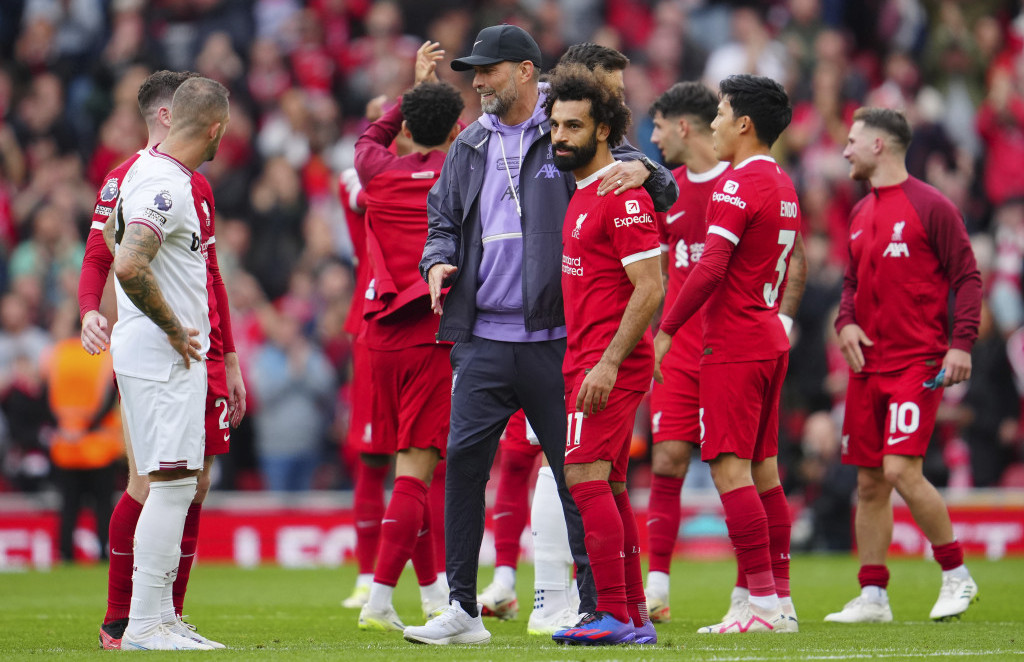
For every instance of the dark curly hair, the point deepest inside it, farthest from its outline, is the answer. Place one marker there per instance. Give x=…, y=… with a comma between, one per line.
x=688, y=98
x=430, y=111
x=593, y=55
x=575, y=82
x=158, y=90
x=761, y=99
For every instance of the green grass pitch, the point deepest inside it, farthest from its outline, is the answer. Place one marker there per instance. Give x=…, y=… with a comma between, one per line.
x=275, y=614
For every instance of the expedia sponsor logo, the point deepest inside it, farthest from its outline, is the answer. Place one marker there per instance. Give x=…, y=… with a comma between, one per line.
x=573, y=266
x=731, y=199
x=633, y=220
x=632, y=207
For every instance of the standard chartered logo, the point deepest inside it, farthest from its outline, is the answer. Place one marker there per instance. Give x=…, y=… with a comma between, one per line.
x=572, y=266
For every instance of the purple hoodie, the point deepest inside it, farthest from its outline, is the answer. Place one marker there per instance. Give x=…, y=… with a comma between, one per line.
x=499, y=296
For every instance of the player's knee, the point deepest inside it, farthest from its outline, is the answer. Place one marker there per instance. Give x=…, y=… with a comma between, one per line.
x=872, y=485
x=138, y=487
x=202, y=487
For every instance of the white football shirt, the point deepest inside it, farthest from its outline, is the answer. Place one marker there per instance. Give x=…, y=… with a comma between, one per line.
x=157, y=192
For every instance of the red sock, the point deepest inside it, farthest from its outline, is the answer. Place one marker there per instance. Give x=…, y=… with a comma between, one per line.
x=950, y=555
x=603, y=536
x=436, y=497
x=663, y=517
x=368, y=510
x=403, y=519
x=122, y=557
x=423, y=551
x=189, y=542
x=873, y=575
x=512, y=505
x=748, y=530
x=780, y=523
x=636, y=601
x=741, y=579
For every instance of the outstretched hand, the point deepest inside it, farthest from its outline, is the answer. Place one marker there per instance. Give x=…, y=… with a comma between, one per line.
x=427, y=57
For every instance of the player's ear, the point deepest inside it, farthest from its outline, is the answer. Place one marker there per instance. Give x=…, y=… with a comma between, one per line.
x=405, y=130
x=163, y=116
x=683, y=126
x=603, y=131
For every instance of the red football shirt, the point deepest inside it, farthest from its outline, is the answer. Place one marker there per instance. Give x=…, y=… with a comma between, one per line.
x=600, y=237
x=908, y=248
x=397, y=307
x=755, y=209
x=682, y=231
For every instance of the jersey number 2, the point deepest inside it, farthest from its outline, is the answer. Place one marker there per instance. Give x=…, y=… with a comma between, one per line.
x=771, y=292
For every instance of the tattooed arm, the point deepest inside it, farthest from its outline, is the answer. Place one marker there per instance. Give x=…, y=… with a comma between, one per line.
x=108, y=232
x=137, y=249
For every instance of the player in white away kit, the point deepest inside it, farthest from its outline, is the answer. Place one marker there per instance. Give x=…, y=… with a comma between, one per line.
x=158, y=346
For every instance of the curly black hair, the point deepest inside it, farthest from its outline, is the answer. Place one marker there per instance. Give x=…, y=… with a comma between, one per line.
x=159, y=88
x=430, y=111
x=575, y=82
x=761, y=99
x=688, y=98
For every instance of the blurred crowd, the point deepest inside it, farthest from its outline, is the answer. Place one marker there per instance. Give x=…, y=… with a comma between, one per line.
x=301, y=75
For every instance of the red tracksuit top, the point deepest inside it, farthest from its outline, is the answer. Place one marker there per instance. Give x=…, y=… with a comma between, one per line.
x=908, y=249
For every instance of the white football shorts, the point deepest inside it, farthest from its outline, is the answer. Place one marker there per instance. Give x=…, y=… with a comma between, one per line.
x=166, y=420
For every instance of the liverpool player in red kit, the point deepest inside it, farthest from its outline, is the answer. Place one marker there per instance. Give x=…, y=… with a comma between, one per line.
x=411, y=370
x=226, y=392
x=908, y=249
x=753, y=223
x=682, y=131
x=611, y=283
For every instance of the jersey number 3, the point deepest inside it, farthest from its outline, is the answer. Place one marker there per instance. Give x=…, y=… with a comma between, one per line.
x=771, y=292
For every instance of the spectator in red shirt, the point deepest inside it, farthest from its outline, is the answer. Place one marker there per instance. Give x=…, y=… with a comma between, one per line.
x=908, y=250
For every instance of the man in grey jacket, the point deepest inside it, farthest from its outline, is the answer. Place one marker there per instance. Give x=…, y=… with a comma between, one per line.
x=495, y=220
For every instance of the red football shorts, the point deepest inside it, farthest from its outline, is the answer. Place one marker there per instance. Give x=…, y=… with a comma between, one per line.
x=675, y=405
x=739, y=408
x=604, y=435
x=518, y=437
x=892, y=414
x=360, y=420
x=218, y=426
x=412, y=397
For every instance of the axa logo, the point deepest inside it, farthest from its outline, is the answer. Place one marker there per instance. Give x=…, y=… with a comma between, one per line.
x=896, y=247
x=579, y=225
x=549, y=171
x=632, y=206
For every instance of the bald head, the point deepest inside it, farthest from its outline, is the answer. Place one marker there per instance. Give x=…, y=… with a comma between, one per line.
x=198, y=104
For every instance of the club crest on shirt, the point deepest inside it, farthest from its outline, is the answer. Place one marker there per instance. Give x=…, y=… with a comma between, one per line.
x=897, y=230
x=109, y=191
x=579, y=226
x=206, y=210
x=897, y=247
x=163, y=200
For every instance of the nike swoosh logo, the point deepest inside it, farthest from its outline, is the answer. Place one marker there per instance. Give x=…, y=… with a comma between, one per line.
x=855, y=234
x=117, y=553
x=500, y=515
x=653, y=520
x=571, y=450
x=385, y=521
x=671, y=218
x=477, y=42
x=227, y=436
x=896, y=440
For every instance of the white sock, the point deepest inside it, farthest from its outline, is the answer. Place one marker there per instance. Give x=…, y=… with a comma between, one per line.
x=959, y=572
x=875, y=594
x=786, y=601
x=167, y=614
x=551, y=555
x=506, y=576
x=443, y=578
x=436, y=593
x=657, y=582
x=766, y=602
x=739, y=594
x=157, y=550
x=364, y=579
x=380, y=597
